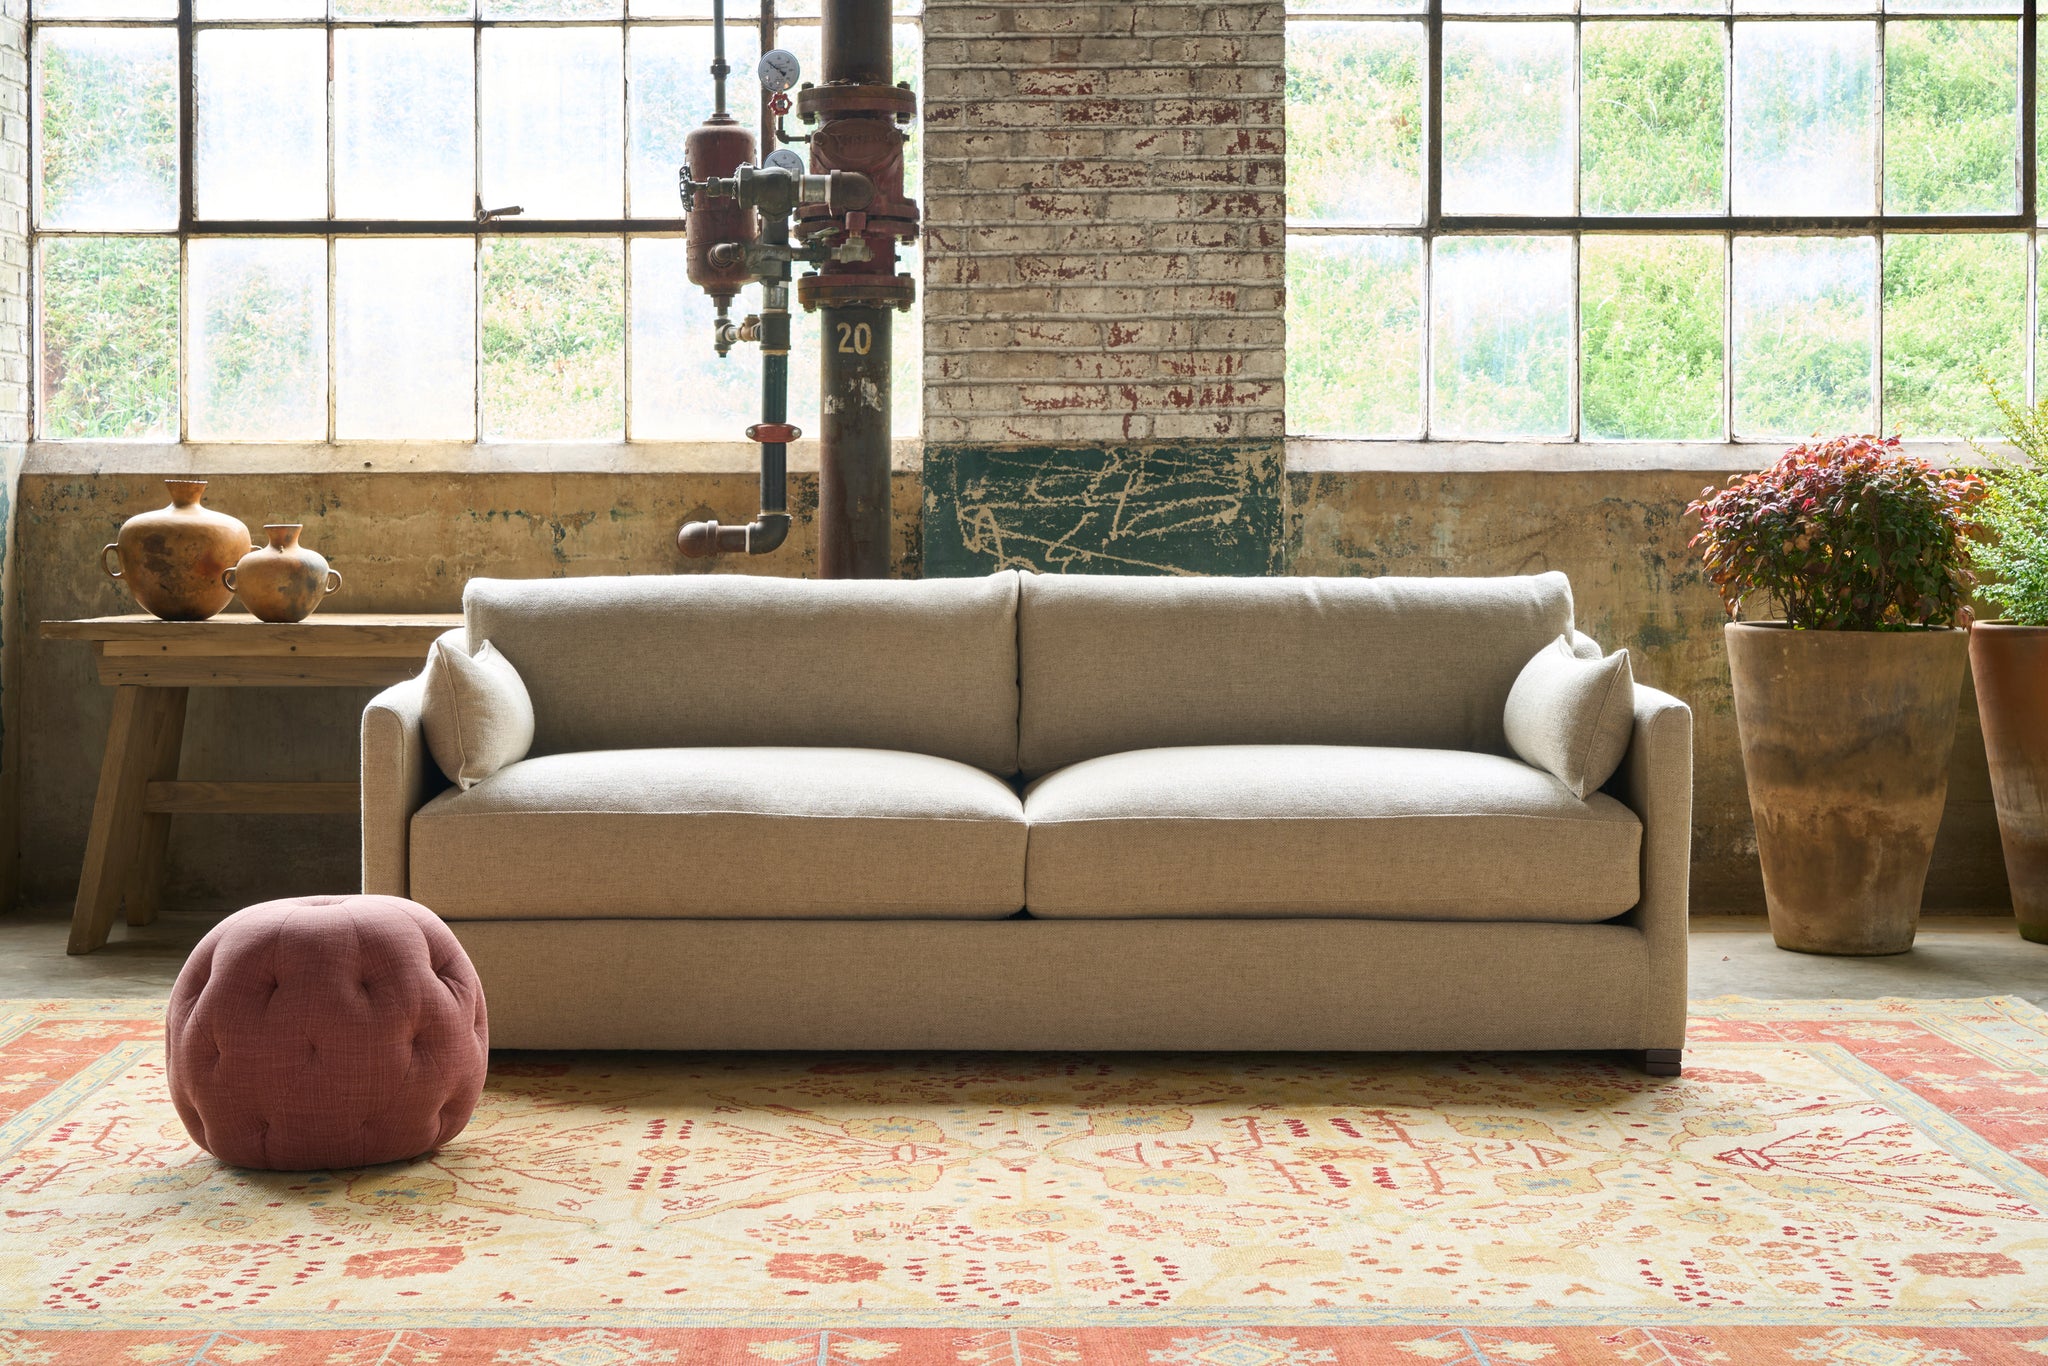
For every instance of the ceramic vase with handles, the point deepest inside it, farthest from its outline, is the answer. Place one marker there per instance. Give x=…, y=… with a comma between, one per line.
x=172, y=559
x=282, y=581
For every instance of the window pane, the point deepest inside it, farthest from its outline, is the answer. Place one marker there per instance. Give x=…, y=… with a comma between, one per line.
x=551, y=9
x=672, y=95
x=403, y=9
x=1805, y=6
x=1805, y=131
x=1951, y=116
x=1955, y=307
x=1508, y=6
x=1653, y=7
x=258, y=328
x=262, y=104
x=553, y=329
x=247, y=10
x=1509, y=140
x=682, y=391
x=108, y=354
x=106, y=9
x=404, y=123
x=1356, y=6
x=1653, y=120
x=405, y=338
x=1501, y=336
x=1650, y=327
x=908, y=61
x=906, y=369
x=1354, y=336
x=1957, y=6
x=2040, y=321
x=1354, y=122
x=1804, y=315
x=109, y=128
x=553, y=116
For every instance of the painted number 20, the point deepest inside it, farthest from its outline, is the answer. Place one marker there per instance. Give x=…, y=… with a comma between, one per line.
x=855, y=339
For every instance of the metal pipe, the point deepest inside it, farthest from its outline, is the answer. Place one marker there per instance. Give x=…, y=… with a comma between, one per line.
x=719, y=69
x=857, y=107
x=855, y=525
x=858, y=43
x=770, y=526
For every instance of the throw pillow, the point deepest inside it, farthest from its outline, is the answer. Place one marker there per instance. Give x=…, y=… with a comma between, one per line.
x=1572, y=716
x=477, y=715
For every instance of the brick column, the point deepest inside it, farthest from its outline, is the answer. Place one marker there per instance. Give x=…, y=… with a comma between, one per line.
x=1104, y=308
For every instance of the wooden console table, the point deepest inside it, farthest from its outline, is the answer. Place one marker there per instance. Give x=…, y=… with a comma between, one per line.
x=151, y=664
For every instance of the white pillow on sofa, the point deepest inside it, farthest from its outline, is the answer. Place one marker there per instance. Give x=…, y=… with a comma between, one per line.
x=1571, y=713
x=476, y=714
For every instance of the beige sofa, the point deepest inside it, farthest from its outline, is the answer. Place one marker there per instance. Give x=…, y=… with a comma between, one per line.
x=1028, y=812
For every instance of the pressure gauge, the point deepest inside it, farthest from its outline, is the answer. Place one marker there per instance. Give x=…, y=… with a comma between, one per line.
x=779, y=70
x=783, y=159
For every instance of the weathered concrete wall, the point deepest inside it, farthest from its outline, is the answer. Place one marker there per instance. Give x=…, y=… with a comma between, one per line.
x=1105, y=281
x=1620, y=537
x=403, y=542
x=407, y=541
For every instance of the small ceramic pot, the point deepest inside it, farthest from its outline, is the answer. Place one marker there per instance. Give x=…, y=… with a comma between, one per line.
x=171, y=559
x=282, y=581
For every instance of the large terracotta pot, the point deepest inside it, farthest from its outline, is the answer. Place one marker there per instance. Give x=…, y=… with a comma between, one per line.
x=2010, y=664
x=1846, y=737
x=282, y=581
x=172, y=558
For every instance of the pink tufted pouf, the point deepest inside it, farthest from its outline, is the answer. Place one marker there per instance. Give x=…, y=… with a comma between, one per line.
x=326, y=1031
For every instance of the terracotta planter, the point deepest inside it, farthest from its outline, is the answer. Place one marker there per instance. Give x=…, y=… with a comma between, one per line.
x=172, y=558
x=282, y=581
x=1846, y=737
x=2010, y=664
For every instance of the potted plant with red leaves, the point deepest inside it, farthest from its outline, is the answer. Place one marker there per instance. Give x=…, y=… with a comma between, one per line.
x=2009, y=656
x=1847, y=705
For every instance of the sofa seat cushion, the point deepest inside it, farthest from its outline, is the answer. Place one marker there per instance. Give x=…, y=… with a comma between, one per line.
x=1325, y=830
x=723, y=833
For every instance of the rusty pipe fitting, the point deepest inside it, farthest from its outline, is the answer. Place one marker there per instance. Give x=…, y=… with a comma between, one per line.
x=702, y=540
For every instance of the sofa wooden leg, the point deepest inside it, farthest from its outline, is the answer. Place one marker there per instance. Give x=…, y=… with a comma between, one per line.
x=1660, y=1062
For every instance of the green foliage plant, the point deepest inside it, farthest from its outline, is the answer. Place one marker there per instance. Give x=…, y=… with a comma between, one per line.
x=2011, y=554
x=1846, y=534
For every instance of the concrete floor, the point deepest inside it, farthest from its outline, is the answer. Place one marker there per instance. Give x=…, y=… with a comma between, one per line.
x=1731, y=956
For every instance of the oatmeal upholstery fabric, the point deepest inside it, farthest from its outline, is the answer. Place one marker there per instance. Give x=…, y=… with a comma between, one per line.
x=738, y=659
x=1572, y=716
x=1055, y=984
x=398, y=776
x=475, y=711
x=1324, y=830
x=326, y=1031
x=1113, y=664
x=1655, y=782
x=769, y=831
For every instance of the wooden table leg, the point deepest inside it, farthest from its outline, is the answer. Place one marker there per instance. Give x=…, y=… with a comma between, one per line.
x=145, y=892
x=114, y=840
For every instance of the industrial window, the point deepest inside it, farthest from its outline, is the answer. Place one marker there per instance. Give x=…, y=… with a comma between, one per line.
x=1658, y=220
x=311, y=220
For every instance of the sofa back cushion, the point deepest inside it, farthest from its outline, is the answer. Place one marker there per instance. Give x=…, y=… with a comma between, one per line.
x=1112, y=664
x=731, y=659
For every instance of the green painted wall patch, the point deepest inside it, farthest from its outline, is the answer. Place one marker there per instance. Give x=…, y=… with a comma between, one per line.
x=1187, y=507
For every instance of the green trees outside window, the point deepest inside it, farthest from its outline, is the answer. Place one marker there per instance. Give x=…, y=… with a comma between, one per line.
x=1655, y=220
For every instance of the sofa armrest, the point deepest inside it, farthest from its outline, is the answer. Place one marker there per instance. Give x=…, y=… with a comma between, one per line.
x=1655, y=782
x=398, y=776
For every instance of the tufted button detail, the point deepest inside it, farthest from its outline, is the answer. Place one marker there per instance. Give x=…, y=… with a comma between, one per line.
x=282, y=1039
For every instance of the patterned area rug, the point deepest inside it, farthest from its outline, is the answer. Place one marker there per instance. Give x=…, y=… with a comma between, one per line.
x=1853, y=1182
